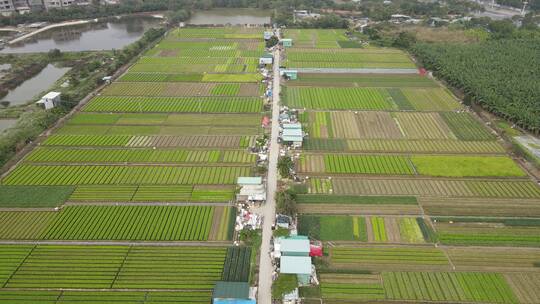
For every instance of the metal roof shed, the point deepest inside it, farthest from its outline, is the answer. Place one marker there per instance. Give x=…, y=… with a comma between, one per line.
x=294, y=247
x=231, y=293
x=248, y=180
x=295, y=265
x=292, y=132
x=292, y=126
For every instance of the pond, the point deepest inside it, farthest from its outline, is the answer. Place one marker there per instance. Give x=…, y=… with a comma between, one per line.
x=232, y=16
x=35, y=85
x=6, y=123
x=95, y=36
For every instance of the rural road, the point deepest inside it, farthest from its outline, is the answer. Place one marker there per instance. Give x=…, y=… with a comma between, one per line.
x=269, y=209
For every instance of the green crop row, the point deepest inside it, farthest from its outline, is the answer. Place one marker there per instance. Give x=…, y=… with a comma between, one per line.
x=104, y=267
x=337, y=98
x=386, y=256
x=237, y=264
x=368, y=164
x=141, y=223
x=429, y=165
x=175, y=104
x=122, y=175
x=147, y=193
x=448, y=287
x=155, y=223
x=97, y=297
x=226, y=89
x=63, y=155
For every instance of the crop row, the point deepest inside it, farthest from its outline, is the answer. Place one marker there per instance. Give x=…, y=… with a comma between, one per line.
x=96, y=297
x=150, y=141
x=226, y=89
x=156, y=223
x=429, y=165
x=63, y=155
x=122, y=175
x=387, y=256
x=183, y=89
x=103, y=267
x=412, y=146
x=337, y=98
x=448, y=286
x=175, y=104
x=147, y=193
x=237, y=264
x=426, y=187
x=141, y=223
x=220, y=119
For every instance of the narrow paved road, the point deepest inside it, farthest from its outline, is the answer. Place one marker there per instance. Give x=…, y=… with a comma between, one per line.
x=269, y=209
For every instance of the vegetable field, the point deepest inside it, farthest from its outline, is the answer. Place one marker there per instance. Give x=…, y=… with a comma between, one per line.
x=394, y=165
x=118, y=267
x=143, y=223
x=174, y=104
x=122, y=175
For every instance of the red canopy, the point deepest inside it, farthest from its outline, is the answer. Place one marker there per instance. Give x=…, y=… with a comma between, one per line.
x=265, y=121
x=315, y=251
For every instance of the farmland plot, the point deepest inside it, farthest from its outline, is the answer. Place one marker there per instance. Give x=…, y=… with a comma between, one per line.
x=428, y=187
x=103, y=267
x=351, y=287
x=337, y=98
x=396, y=146
x=494, y=259
x=430, y=99
x=122, y=175
x=462, y=166
x=174, y=104
x=333, y=228
x=158, y=223
x=448, y=286
x=525, y=286
x=423, y=126
x=24, y=224
x=356, y=205
x=465, y=127
x=486, y=233
x=361, y=80
x=380, y=258
x=63, y=155
x=110, y=297
x=481, y=206
x=176, y=89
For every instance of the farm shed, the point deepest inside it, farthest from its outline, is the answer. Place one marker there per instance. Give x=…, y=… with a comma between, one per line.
x=299, y=265
x=292, y=133
x=286, y=42
x=291, y=74
x=295, y=246
x=266, y=59
x=252, y=193
x=252, y=189
x=231, y=293
x=50, y=100
x=248, y=180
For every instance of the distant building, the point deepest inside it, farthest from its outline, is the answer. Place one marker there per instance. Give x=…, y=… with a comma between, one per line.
x=266, y=59
x=252, y=189
x=56, y=4
x=286, y=42
x=291, y=74
x=293, y=134
x=6, y=7
x=49, y=101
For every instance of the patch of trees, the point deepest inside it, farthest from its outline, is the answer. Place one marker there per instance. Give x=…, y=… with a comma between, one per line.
x=500, y=75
